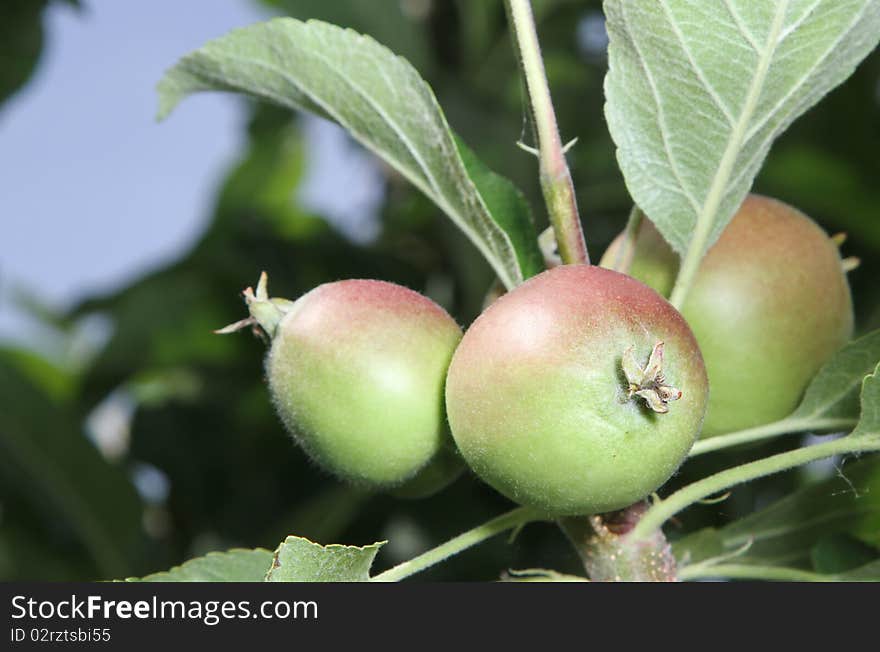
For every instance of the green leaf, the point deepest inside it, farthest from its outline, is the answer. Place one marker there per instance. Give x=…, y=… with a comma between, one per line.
x=21, y=32
x=235, y=565
x=868, y=427
x=23, y=39
x=868, y=573
x=839, y=553
x=834, y=391
x=48, y=460
x=377, y=96
x=786, y=532
x=300, y=560
x=698, y=91
x=509, y=208
x=58, y=383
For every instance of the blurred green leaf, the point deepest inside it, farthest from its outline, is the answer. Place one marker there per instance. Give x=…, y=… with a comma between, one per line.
x=157, y=387
x=834, y=391
x=301, y=560
x=163, y=321
x=786, y=532
x=867, y=573
x=229, y=566
x=325, y=515
x=377, y=96
x=21, y=32
x=840, y=553
x=50, y=377
x=30, y=553
x=267, y=180
x=48, y=459
x=697, y=93
x=837, y=188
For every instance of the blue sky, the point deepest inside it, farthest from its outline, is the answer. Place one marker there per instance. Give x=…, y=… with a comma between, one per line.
x=93, y=192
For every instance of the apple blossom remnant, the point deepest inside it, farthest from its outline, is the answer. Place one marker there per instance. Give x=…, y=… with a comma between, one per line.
x=648, y=382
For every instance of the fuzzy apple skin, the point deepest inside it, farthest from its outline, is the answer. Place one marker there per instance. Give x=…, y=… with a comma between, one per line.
x=770, y=304
x=536, y=396
x=356, y=371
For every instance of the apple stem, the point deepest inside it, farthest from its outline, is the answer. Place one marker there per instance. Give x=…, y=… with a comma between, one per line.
x=516, y=518
x=787, y=426
x=609, y=554
x=555, y=177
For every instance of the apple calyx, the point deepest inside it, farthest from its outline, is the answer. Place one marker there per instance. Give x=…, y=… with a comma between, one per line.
x=648, y=382
x=265, y=313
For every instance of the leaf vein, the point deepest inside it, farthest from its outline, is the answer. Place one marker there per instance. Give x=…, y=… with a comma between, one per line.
x=713, y=94
x=803, y=80
x=660, y=112
x=750, y=39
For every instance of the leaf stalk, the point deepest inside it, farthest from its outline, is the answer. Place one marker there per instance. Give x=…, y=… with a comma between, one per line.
x=660, y=512
x=513, y=519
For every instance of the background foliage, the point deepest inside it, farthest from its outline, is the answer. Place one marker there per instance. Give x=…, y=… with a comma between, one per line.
x=194, y=406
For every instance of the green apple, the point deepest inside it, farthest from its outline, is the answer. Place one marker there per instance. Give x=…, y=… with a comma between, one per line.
x=356, y=370
x=581, y=391
x=770, y=304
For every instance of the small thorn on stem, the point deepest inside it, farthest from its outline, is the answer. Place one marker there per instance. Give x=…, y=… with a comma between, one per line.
x=839, y=238
x=527, y=148
x=569, y=145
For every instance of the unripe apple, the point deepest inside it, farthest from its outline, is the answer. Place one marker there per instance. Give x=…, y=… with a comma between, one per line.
x=356, y=371
x=769, y=305
x=580, y=391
